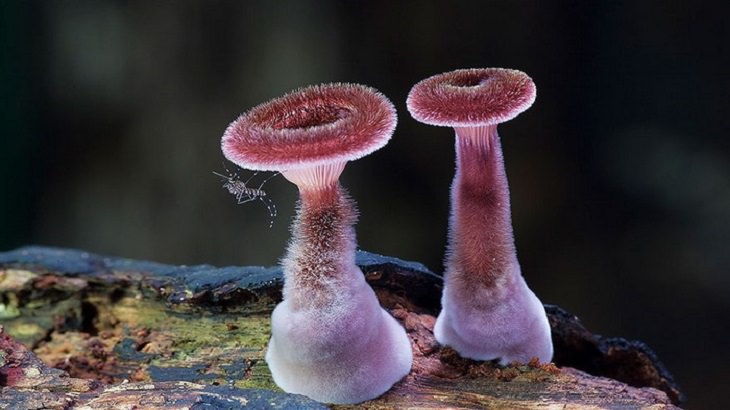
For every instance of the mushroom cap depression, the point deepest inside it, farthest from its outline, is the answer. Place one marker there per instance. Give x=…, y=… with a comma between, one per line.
x=311, y=126
x=471, y=97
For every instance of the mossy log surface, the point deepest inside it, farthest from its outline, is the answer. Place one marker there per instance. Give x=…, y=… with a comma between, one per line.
x=79, y=330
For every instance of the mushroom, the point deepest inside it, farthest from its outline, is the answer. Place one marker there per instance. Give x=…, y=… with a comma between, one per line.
x=331, y=340
x=488, y=312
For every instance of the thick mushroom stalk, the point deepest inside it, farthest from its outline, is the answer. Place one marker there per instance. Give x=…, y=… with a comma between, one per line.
x=488, y=312
x=330, y=340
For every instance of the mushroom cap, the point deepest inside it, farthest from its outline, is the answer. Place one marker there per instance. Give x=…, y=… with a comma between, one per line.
x=471, y=97
x=311, y=126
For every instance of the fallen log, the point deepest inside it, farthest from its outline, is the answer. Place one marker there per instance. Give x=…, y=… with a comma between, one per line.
x=97, y=332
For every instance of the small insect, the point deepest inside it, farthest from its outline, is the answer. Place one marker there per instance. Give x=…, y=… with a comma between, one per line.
x=244, y=193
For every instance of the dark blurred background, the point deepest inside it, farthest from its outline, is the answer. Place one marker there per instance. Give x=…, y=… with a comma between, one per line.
x=112, y=114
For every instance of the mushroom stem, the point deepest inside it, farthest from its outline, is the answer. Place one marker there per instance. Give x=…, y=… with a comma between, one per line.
x=483, y=280
x=330, y=339
x=320, y=262
x=481, y=243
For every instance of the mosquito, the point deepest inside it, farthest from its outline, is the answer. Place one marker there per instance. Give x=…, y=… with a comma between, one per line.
x=244, y=193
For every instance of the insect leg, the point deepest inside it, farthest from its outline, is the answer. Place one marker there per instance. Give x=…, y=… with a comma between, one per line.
x=271, y=207
x=242, y=199
x=267, y=180
x=245, y=184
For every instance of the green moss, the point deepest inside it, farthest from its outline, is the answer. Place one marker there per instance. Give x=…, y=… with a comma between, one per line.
x=23, y=332
x=232, y=346
x=10, y=309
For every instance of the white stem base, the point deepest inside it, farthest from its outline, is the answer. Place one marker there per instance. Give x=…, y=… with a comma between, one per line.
x=512, y=327
x=347, y=353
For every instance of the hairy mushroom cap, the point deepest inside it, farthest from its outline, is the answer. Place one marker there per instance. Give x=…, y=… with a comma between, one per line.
x=311, y=126
x=471, y=97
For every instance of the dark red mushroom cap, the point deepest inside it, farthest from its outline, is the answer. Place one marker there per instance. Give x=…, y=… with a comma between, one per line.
x=471, y=97
x=311, y=126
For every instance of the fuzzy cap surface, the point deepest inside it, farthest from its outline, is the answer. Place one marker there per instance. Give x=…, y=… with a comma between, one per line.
x=311, y=126
x=471, y=97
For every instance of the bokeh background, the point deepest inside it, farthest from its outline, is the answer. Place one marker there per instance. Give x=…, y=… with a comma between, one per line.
x=112, y=114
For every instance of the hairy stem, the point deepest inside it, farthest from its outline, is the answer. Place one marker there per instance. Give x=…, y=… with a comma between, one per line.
x=481, y=245
x=321, y=256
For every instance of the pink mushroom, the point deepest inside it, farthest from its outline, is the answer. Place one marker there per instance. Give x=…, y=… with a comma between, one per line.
x=488, y=312
x=330, y=340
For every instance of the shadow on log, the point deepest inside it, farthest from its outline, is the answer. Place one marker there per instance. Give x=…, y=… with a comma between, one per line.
x=99, y=333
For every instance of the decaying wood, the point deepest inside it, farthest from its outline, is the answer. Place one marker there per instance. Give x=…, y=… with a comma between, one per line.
x=85, y=331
